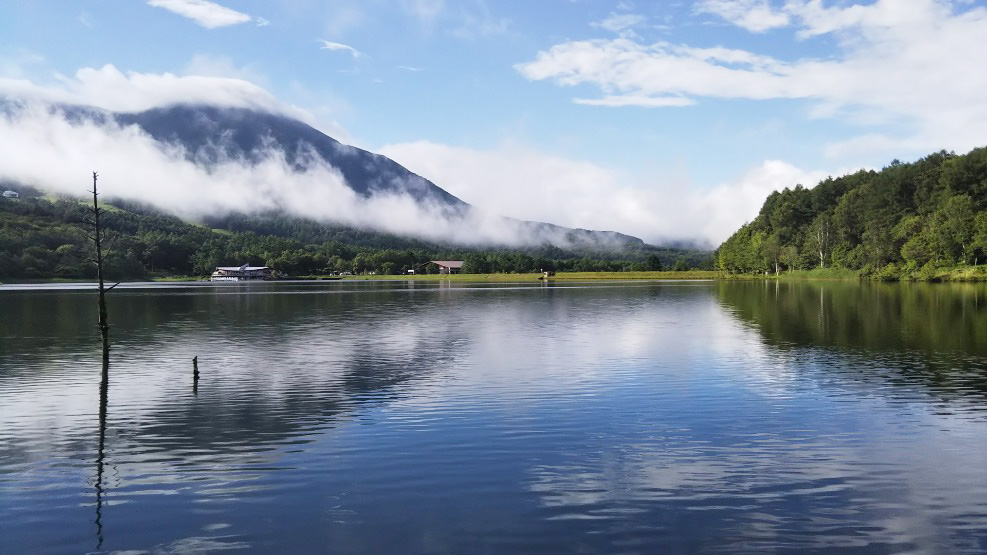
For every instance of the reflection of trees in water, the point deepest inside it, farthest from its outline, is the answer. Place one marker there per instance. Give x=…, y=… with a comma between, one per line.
x=929, y=334
x=935, y=317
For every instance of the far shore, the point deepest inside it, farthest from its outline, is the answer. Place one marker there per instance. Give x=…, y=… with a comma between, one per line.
x=964, y=274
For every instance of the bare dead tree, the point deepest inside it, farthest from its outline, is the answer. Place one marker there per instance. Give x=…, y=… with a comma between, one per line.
x=104, y=333
x=97, y=239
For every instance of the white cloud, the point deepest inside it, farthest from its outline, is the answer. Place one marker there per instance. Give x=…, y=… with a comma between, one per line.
x=523, y=183
x=86, y=19
x=425, y=10
x=754, y=15
x=337, y=46
x=207, y=14
x=209, y=65
x=18, y=63
x=478, y=21
x=904, y=62
x=622, y=24
x=617, y=101
x=111, y=89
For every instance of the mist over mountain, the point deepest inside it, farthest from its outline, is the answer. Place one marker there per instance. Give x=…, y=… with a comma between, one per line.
x=211, y=134
x=206, y=161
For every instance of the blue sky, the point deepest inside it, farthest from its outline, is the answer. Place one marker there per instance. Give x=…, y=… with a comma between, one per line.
x=666, y=120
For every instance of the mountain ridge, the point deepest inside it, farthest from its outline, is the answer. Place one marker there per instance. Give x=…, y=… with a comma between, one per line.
x=251, y=131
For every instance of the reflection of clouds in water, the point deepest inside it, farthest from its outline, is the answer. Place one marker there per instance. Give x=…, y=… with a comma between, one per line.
x=816, y=492
x=561, y=339
x=266, y=363
x=201, y=545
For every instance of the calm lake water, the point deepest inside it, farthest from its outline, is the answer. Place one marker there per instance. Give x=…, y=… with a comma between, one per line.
x=462, y=418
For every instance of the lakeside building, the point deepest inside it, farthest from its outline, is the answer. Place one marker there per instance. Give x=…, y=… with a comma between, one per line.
x=448, y=266
x=242, y=273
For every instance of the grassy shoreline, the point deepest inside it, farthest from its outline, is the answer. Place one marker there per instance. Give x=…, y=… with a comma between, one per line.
x=969, y=274
x=956, y=274
x=560, y=276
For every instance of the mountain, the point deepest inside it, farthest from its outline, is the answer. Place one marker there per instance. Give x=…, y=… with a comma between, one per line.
x=240, y=144
x=210, y=134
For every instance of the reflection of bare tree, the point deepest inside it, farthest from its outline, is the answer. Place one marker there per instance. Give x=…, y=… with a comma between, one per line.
x=104, y=386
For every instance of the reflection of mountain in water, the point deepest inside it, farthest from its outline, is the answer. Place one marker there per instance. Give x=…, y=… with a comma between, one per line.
x=928, y=334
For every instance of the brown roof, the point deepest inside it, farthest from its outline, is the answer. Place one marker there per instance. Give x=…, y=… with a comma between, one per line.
x=448, y=263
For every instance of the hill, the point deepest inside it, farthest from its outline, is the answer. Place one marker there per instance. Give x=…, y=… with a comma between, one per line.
x=909, y=220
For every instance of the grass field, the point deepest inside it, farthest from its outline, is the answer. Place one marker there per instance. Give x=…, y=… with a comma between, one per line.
x=560, y=276
x=964, y=273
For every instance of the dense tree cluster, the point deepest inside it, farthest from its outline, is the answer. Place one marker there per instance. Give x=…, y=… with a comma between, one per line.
x=45, y=238
x=907, y=219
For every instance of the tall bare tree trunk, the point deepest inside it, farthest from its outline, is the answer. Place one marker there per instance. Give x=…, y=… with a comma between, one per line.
x=104, y=327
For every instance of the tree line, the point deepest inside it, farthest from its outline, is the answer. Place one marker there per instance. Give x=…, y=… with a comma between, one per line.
x=907, y=220
x=43, y=238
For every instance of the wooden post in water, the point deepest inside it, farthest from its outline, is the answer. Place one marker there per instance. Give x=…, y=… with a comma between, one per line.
x=195, y=375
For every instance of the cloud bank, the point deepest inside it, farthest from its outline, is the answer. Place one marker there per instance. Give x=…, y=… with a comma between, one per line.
x=521, y=182
x=46, y=148
x=39, y=146
x=49, y=146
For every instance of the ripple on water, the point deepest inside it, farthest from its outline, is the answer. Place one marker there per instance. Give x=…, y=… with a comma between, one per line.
x=484, y=418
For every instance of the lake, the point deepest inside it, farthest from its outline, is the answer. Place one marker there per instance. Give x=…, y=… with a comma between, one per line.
x=404, y=417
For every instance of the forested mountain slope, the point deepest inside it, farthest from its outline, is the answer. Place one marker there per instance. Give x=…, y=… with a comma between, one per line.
x=905, y=220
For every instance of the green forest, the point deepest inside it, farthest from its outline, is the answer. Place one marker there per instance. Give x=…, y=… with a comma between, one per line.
x=42, y=237
x=907, y=221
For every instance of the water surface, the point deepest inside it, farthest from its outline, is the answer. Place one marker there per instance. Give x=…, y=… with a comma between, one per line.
x=488, y=418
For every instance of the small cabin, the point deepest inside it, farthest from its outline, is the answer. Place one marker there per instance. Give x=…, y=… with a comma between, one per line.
x=242, y=273
x=448, y=266
x=11, y=194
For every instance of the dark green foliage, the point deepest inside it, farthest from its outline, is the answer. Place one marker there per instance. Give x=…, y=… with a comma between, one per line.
x=906, y=219
x=42, y=239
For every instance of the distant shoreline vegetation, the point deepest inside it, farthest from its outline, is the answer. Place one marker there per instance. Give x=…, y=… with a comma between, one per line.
x=923, y=221
x=43, y=238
